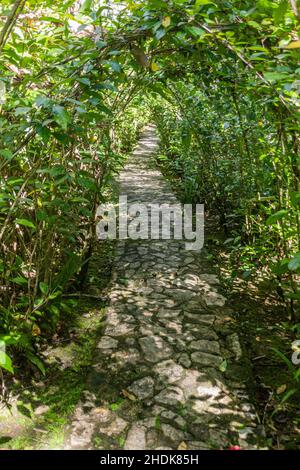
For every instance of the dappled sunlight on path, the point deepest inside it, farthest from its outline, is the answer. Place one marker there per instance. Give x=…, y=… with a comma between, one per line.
x=162, y=375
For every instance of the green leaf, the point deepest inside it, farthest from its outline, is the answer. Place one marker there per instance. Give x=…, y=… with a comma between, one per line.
x=42, y=101
x=79, y=199
x=86, y=6
x=5, y=362
x=281, y=267
x=84, y=81
x=259, y=48
x=20, y=280
x=22, y=110
x=8, y=339
x=43, y=132
x=7, y=154
x=36, y=361
x=295, y=198
x=284, y=359
x=272, y=219
x=44, y=288
x=61, y=116
x=297, y=374
x=293, y=295
x=280, y=11
x=101, y=44
x=195, y=31
x=203, y=2
x=288, y=394
x=14, y=181
x=54, y=294
x=294, y=264
x=51, y=19
x=115, y=66
x=25, y=222
x=223, y=366
x=275, y=76
x=160, y=33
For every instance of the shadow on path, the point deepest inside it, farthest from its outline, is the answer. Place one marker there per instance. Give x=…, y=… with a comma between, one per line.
x=168, y=372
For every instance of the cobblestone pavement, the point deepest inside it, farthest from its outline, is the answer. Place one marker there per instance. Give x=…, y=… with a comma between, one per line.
x=158, y=380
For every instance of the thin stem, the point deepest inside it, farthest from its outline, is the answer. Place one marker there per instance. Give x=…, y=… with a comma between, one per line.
x=10, y=22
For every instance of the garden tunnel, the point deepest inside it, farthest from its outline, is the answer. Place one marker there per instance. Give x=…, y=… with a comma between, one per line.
x=79, y=81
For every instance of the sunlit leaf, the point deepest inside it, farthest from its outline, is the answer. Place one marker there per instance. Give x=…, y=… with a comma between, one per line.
x=154, y=67
x=25, y=222
x=293, y=45
x=166, y=21
x=294, y=264
x=5, y=362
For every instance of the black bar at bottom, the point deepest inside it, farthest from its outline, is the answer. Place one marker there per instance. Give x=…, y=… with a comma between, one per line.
x=134, y=459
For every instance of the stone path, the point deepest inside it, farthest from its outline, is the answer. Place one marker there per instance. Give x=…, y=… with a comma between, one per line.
x=158, y=380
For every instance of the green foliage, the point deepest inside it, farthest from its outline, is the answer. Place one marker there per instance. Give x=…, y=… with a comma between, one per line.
x=294, y=372
x=221, y=81
x=6, y=363
x=64, y=133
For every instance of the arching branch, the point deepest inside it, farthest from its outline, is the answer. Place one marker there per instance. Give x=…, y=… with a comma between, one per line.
x=10, y=22
x=295, y=8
